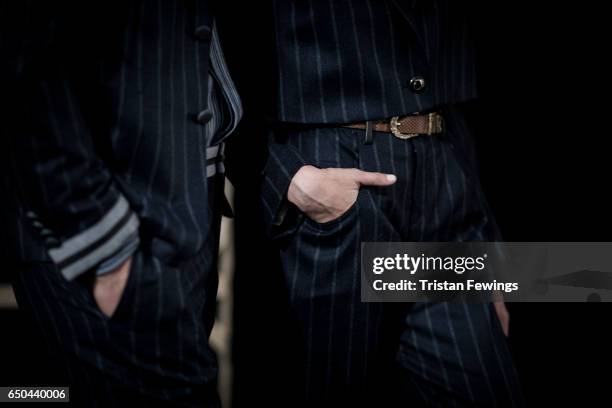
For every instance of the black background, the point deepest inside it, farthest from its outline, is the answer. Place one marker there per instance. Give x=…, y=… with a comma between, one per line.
x=545, y=166
x=542, y=128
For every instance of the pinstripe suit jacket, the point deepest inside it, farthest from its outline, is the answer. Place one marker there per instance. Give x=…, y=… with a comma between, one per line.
x=111, y=117
x=344, y=61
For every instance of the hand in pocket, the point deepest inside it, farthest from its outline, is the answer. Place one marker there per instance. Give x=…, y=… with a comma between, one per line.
x=325, y=194
x=108, y=288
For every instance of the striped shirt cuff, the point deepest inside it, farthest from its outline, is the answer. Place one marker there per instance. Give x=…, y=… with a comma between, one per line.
x=120, y=256
x=100, y=242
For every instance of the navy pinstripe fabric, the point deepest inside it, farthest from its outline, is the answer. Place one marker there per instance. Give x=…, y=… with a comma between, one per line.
x=346, y=61
x=117, y=108
x=448, y=354
x=106, y=111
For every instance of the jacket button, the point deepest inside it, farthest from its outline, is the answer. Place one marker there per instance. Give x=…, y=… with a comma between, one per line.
x=52, y=242
x=417, y=84
x=203, y=117
x=37, y=224
x=46, y=232
x=202, y=33
x=31, y=215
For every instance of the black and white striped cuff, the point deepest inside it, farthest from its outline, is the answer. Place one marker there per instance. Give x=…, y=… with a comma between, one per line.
x=214, y=160
x=96, y=244
x=118, y=258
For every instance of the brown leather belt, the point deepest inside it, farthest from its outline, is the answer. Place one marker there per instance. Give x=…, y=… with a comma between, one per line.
x=405, y=127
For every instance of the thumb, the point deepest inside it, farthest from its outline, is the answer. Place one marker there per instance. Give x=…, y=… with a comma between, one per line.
x=368, y=178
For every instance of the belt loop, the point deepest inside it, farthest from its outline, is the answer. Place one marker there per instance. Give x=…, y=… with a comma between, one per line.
x=368, y=135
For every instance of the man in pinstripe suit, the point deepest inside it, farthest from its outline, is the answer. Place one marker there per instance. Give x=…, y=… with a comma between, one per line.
x=367, y=143
x=119, y=111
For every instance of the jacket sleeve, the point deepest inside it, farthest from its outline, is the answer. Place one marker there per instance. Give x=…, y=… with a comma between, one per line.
x=66, y=187
x=282, y=164
x=257, y=163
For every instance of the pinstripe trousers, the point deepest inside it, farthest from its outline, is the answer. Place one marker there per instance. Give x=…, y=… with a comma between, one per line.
x=154, y=349
x=434, y=354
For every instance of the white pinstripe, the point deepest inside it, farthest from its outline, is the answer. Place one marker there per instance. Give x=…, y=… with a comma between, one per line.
x=333, y=288
x=138, y=267
x=393, y=54
x=451, y=328
x=416, y=350
x=298, y=64
x=436, y=348
x=64, y=314
x=318, y=59
x=364, y=106
x=279, y=65
x=186, y=152
x=436, y=215
x=134, y=159
x=337, y=46
x=160, y=126
x=498, y=357
x=309, y=356
x=478, y=353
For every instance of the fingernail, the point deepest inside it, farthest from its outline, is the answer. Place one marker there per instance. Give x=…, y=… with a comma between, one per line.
x=391, y=178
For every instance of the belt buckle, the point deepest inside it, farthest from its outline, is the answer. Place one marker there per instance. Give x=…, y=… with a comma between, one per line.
x=394, y=125
x=434, y=126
